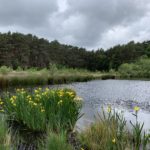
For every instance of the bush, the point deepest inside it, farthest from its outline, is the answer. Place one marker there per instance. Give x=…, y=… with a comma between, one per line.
x=5, y=69
x=140, y=68
x=57, y=109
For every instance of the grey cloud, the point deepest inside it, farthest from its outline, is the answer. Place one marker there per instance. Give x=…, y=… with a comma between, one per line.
x=101, y=15
x=86, y=23
x=30, y=13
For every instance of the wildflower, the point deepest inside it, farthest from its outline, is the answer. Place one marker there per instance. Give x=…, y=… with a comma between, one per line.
x=14, y=97
x=23, y=92
x=60, y=102
x=44, y=93
x=77, y=98
x=35, y=104
x=40, y=89
x=29, y=98
x=109, y=109
x=18, y=90
x=47, y=89
x=36, y=91
x=1, y=103
x=61, y=93
x=136, y=108
x=42, y=110
x=22, y=89
x=114, y=140
x=14, y=104
x=71, y=94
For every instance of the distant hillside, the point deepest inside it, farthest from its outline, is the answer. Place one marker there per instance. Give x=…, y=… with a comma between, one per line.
x=26, y=51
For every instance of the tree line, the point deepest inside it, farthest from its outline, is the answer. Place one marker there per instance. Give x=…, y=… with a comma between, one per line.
x=17, y=49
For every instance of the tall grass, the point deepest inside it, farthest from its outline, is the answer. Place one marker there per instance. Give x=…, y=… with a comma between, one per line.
x=5, y=140
x=111, y=133
x=52, y=75
x=56, y=142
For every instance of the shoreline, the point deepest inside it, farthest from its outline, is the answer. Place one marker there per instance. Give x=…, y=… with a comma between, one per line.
x=24, y=78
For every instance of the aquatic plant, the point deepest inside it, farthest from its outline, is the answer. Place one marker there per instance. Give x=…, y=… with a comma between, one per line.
x=57, y=109
x=139, y=140
x=110, y=132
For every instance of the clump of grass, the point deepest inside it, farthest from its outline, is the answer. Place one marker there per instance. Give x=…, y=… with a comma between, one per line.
x=5, y=140
x=56, y=142
x=57, y=109
x=110, y=133
x=106, y=132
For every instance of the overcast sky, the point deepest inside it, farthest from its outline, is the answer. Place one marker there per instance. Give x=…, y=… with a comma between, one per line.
x=86, y=23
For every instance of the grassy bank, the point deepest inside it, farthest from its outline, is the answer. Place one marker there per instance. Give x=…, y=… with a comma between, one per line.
x=54, y=75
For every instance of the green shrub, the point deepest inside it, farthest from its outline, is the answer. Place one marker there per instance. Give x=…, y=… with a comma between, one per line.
x=19, y=68
x=140, y=68
x=57, y=109
x=5, y=69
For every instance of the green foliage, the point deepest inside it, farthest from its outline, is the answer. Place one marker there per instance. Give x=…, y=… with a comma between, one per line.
x=3, y=130
x=57, y=109
x=56, y=142
x=138, y=137
x=4, y=136
x=34, y=76
x=5, y=69
x=29, y=51
x=140, y=68
x=19, y=68
x=110, y=133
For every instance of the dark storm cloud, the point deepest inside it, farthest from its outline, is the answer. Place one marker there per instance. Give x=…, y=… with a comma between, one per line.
x=87, y=23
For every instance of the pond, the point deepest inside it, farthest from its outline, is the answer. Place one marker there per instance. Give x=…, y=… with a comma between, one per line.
x=122, y=95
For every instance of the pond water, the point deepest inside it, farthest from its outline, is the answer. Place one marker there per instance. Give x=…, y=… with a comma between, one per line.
x=122, y=95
